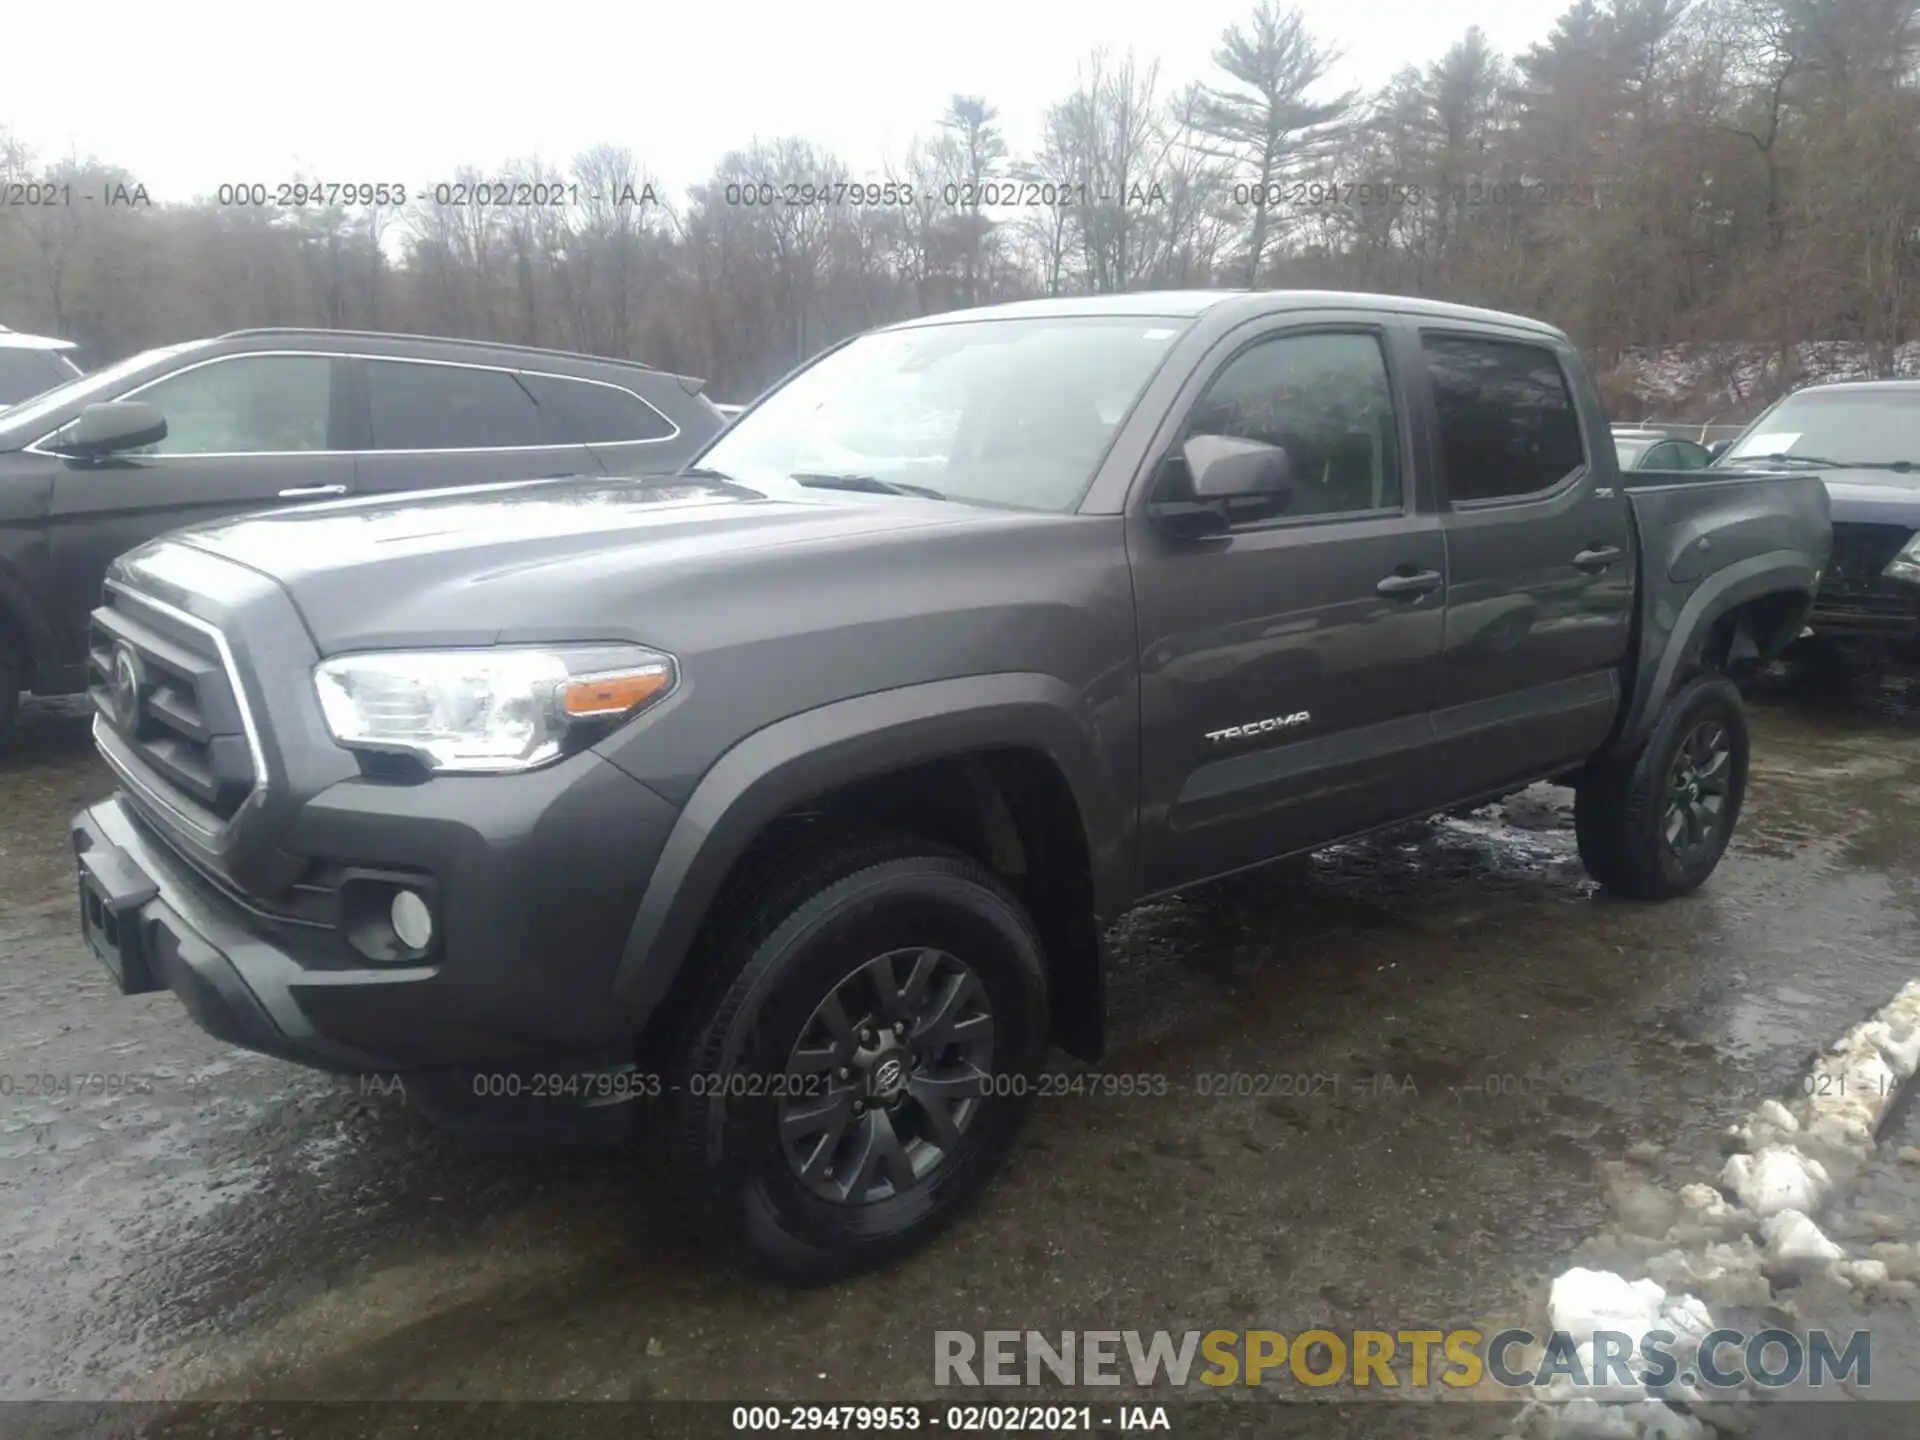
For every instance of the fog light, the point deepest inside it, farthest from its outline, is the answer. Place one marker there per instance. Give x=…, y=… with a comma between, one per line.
x=412, y=920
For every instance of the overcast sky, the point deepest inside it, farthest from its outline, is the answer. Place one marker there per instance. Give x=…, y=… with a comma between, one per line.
x=190, y=94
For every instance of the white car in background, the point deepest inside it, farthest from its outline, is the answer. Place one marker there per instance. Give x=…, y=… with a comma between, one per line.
x=32, y=363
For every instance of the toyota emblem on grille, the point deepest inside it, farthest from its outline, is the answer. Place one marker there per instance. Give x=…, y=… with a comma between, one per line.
x=125, y=689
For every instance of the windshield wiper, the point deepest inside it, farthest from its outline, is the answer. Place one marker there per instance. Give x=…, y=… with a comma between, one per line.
x=1823, y=463
x=872, y=484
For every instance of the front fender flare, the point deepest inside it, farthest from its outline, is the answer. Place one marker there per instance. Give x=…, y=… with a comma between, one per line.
x=786, y=763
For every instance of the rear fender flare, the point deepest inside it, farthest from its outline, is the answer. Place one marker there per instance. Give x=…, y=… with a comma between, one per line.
x=1672, y=638
x=776, y=768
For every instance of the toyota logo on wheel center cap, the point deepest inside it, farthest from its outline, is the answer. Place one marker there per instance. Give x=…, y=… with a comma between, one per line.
x=125, y=692
x=888, y=1076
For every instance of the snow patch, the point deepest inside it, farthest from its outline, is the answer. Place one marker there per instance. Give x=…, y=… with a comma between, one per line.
x=1795, y=1158
x=1796, y=1245
x=1778, y=1178
x=1583, y=1301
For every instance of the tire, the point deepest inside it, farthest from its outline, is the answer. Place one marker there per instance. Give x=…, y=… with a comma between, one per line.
x=1625, y=809
x=760, y=1057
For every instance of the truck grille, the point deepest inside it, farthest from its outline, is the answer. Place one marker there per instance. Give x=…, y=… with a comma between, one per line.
x=1860, y=553
x=1855, y=598
x=161, y=684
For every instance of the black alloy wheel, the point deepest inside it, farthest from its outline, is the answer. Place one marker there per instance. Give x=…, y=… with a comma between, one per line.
x=886, y=1076
x=1697, y=792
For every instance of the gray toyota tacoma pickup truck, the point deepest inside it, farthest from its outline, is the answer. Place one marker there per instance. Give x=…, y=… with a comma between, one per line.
x=781, y=804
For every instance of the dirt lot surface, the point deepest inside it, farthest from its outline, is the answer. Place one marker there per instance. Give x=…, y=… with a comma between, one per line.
x=1481, y=1031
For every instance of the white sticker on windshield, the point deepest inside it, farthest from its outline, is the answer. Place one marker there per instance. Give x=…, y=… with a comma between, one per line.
x=1777, y=442
x=1156, y=334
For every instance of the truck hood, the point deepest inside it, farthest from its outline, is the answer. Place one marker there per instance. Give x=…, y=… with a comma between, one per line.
x=536, y=560
x=1874, y=497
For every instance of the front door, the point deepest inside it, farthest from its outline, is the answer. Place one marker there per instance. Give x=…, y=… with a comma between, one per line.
x=244, y=432
x=1287, y=665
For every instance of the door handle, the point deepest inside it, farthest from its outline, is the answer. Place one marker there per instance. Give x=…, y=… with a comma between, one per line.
x=312, y=492
x=1420, y=582
x=1596, y=558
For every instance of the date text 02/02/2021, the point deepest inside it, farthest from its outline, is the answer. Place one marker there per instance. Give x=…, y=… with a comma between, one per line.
x=1007, y=1419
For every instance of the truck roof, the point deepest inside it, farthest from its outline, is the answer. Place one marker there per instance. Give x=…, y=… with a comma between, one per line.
x=1191, y=304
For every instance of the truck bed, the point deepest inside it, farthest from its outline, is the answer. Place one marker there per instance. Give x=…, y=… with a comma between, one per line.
x=1717, y=535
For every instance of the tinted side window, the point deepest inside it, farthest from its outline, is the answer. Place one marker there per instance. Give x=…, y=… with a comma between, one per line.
x=248, y=405
x=579, y=412
x=1325, y=399
x=1508, y=426
x=447, y=407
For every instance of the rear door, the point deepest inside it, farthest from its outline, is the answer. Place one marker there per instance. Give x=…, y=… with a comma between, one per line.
x=1540, y=560
x=1287, y=665
x=244, y=432
x=434, y=423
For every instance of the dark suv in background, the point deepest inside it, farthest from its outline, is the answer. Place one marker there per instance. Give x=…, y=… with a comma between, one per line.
x=262, y=418
x=1862, y=438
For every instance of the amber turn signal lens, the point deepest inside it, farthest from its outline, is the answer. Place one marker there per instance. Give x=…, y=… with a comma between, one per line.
x=587, y=696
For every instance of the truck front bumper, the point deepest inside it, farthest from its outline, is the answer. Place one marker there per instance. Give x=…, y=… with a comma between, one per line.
x=1858, y=600
x=536, y=881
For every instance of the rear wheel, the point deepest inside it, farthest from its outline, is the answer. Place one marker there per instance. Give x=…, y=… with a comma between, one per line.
x=855, y=1072
x=1655, y=824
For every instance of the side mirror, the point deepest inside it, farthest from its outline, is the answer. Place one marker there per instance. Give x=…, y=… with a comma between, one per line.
x=1224, y=468
x=113, y=425
x=1221, y=470
x=1719, y=448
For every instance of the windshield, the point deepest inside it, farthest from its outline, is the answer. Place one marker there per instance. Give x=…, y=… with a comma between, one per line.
x=1849, y=427
x=24, y=422
x=999, y=412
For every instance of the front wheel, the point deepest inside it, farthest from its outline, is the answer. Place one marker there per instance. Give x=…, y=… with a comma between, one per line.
x=857, y=1068
x=1654, y=824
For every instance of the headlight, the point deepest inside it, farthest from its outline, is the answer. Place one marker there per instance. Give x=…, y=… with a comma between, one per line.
x=1906, y=565
x=485, y=710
